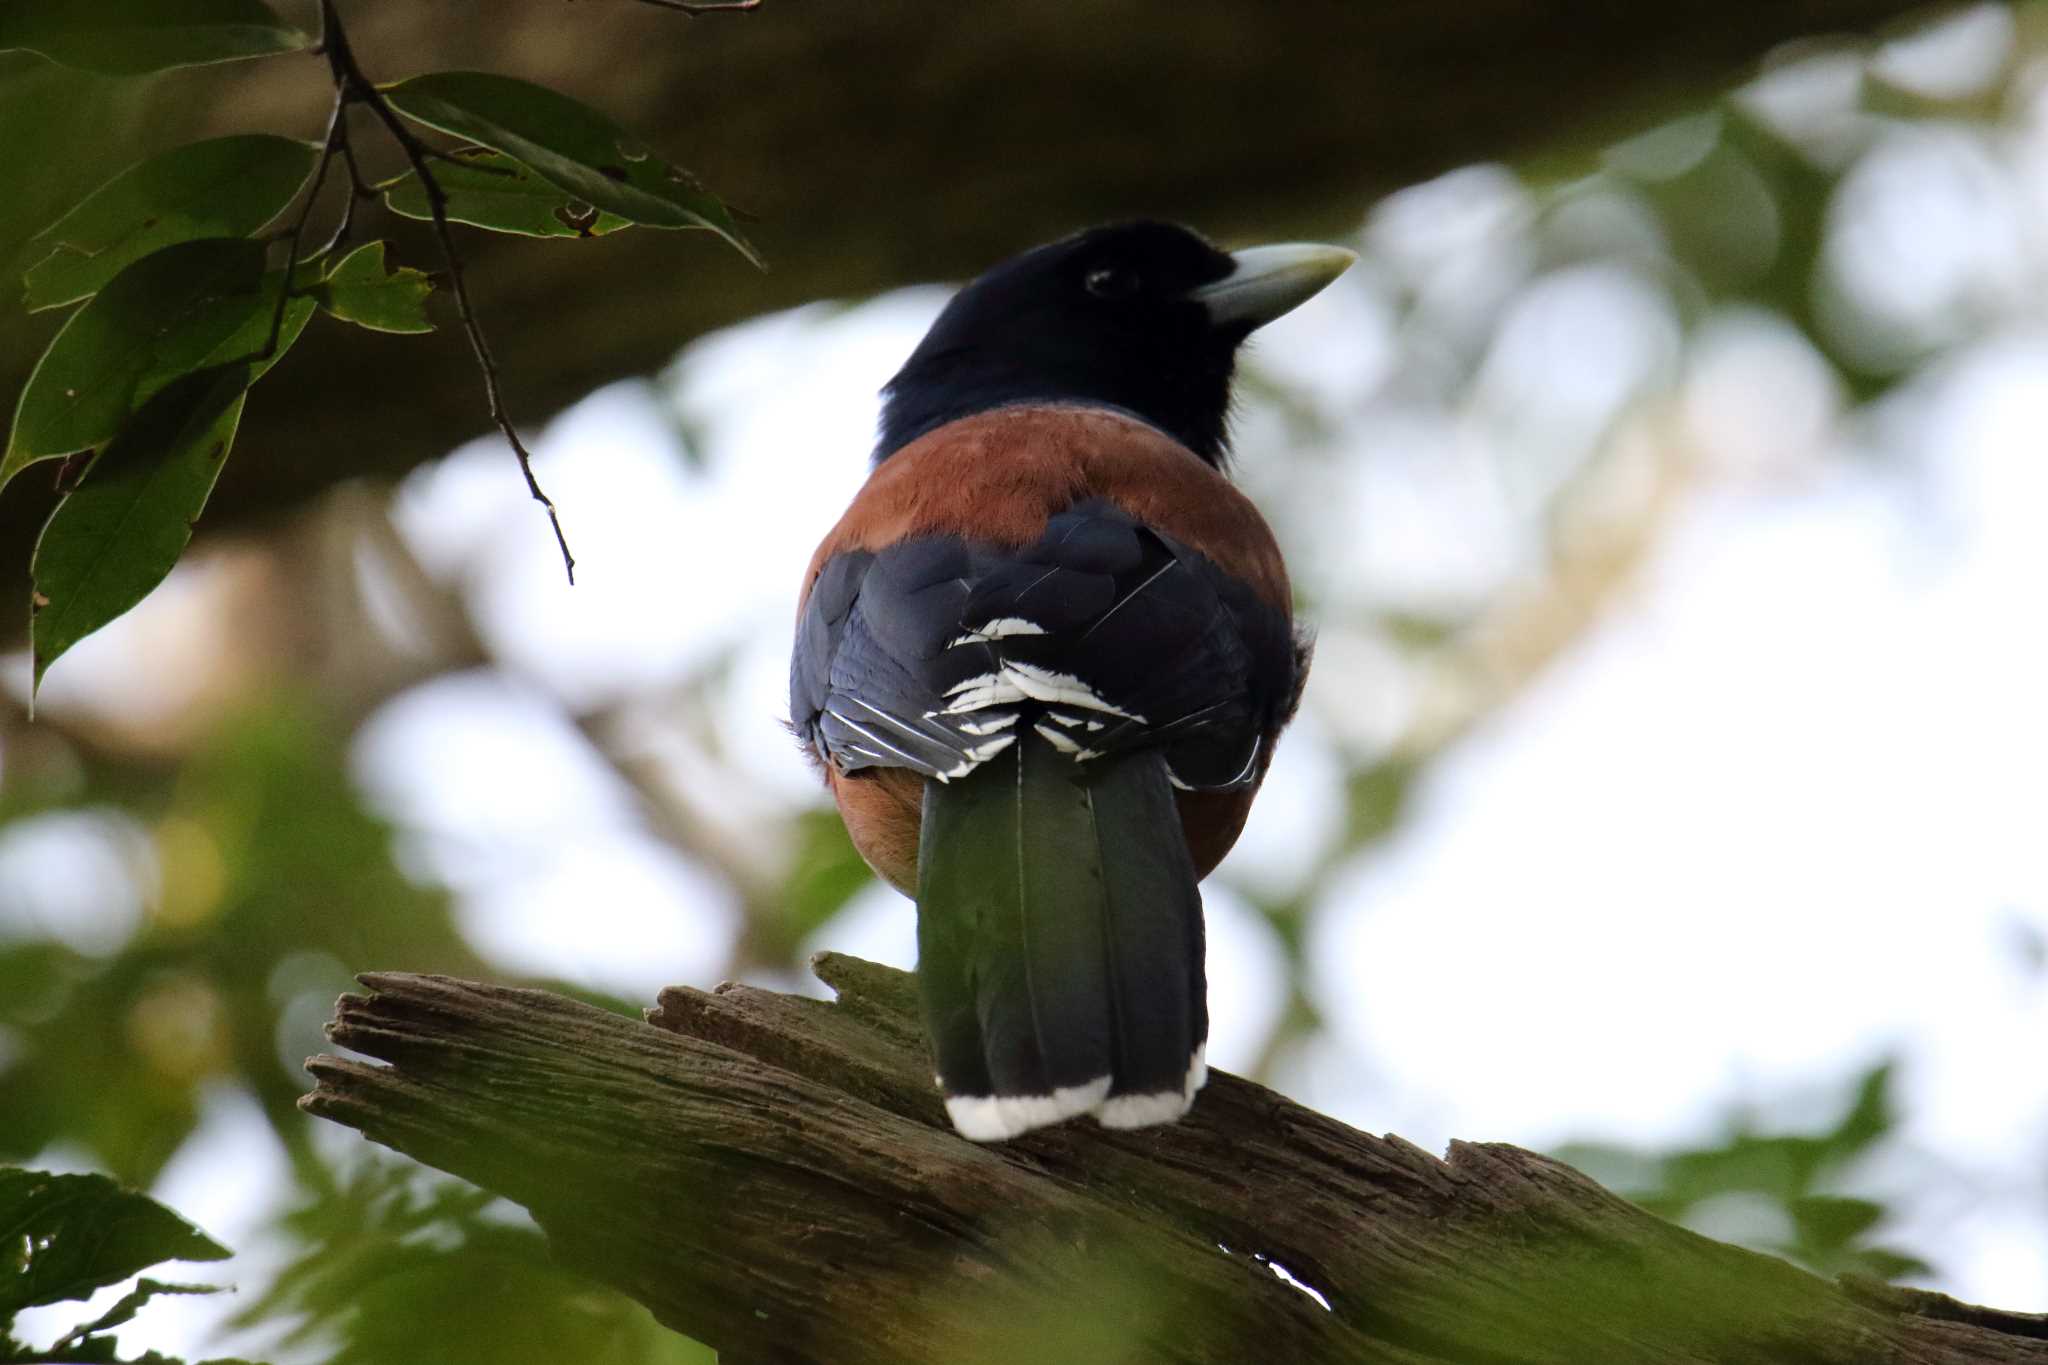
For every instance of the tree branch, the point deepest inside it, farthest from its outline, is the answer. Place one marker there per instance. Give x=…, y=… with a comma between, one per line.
x=773, y=1175
x=693, y=8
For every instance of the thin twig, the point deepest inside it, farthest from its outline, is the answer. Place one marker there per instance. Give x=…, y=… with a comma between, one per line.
x=336, y=139
x=355, y=87
x=693, y=8
x=339, y=237
x=359, y=190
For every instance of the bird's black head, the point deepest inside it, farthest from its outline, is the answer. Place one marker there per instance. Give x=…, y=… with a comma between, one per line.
x=1144, y=316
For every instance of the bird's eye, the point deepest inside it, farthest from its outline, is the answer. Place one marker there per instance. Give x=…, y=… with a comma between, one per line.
x=1107, y=282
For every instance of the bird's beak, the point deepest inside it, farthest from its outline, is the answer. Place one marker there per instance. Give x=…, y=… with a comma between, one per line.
x=1270, y=281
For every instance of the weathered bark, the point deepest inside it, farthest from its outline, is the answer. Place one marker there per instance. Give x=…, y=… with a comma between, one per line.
x=773, y=1175
x=879, y=143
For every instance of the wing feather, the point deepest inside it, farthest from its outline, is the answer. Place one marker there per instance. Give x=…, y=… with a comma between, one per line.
x=933, y=654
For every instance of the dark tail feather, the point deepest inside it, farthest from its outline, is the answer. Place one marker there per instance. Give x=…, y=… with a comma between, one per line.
x=1059, y=943
x=1152, y=942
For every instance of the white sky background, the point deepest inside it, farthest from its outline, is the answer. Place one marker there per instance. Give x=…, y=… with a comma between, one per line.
x=1778, y=815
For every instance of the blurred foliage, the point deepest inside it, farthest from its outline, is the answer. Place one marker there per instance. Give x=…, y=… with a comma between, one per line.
x=265, y=887
x=1752, y=207
x=64, y=1237
x=824, y=874
x=1776, y=1192
x=272, y=888
x=396, y=1255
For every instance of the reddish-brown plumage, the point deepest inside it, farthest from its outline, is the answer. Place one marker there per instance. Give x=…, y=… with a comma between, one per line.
x=998, y=477
x=883, y=809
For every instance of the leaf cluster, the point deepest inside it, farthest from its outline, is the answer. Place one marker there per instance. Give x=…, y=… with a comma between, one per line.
x=274, y=886
x=396, y=1255
x=65, y=1237
x=190, y=275
x=1796, y=1177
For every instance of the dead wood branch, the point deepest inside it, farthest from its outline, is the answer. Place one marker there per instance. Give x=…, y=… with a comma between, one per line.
x=773, y=1175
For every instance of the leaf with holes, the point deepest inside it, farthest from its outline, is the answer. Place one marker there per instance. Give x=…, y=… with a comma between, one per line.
x=223, y=187
x=128, y=37
x=177, y=310
x=568, y=144
x=70, y=1235
x=361, y=291
x=489, y=190
x=114, y=537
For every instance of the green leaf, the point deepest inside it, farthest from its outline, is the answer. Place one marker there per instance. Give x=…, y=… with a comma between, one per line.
x=489, y=190
x=174, y=311
x=65, y=1236
x=1888, y=1264
x=359, y=290
x=127, y=1307
x=223, y=187
x=568, y=144
x=392, y=1258
x=1378, y=800
x=34, y=976
x=1829, y=1222
x=114, y=537
x=127, y=37
x=1871, y=1114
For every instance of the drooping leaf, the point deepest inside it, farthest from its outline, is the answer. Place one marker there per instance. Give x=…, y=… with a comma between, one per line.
x=70, y=1235
x=568, y=144
x=114, y=537
x=127, y=1306
x=173, y=312
x=127, y=37
x=487, y=189
x=362, y=291
x=223, y=187
x=57, y=127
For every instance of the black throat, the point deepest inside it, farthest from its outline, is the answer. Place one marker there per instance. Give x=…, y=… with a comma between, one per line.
x=1198, y=420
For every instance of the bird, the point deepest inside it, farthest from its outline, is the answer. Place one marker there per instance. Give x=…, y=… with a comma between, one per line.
x=1043, y=658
